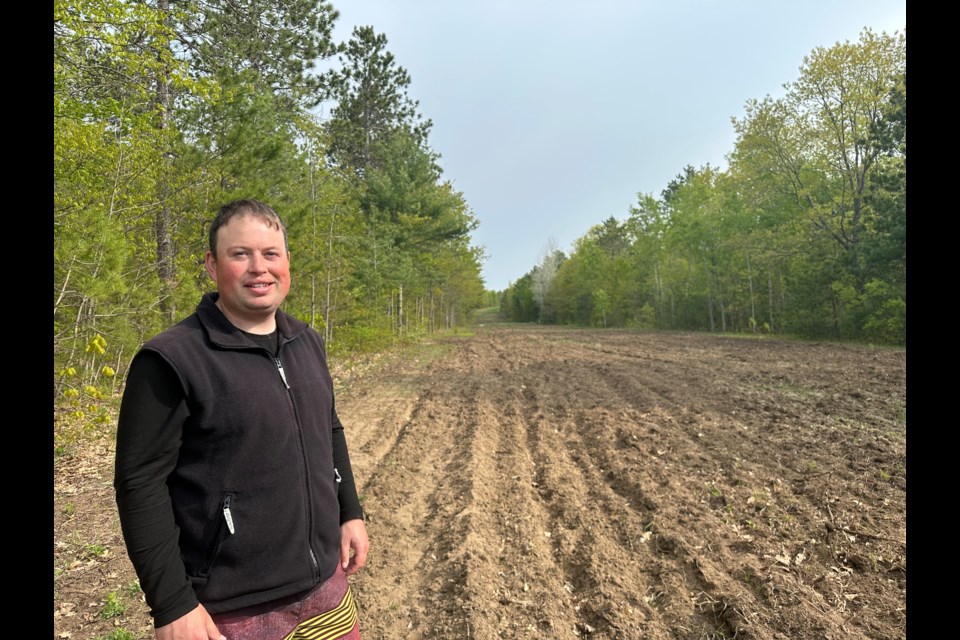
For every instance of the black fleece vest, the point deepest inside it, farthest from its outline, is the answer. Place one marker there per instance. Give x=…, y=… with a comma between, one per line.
x=254, y=490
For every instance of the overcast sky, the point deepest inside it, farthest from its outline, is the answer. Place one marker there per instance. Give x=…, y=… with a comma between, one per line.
x=552, y=115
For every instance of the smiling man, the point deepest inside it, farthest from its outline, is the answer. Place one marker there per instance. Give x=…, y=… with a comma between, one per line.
x=233, y=480
x=249, y=261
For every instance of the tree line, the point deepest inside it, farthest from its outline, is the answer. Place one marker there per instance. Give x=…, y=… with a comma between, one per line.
x=804, y=233
x=166, y=109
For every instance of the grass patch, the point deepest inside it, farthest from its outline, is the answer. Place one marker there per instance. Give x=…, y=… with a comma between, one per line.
x=118, y=634
x=133, y=589
x=114, y=607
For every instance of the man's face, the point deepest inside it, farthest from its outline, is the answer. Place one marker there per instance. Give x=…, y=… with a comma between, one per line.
x=252, y=271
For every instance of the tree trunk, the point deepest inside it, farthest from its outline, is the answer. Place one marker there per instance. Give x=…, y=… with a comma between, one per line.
x=327, y=312
x=770, y=300
x=163, y=222
x=400, y=313
x=658, y=279
x=753, y=306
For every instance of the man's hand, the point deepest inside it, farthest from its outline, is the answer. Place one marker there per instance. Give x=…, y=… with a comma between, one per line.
x=353, y=535
x=196, y=625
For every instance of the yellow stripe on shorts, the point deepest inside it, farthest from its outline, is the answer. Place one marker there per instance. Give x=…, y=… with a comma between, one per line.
x=327, y=626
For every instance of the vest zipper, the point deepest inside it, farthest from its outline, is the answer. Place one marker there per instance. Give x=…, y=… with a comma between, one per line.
x=227, y=515
x=314, y=563
x=283, y=376
x=313, y=558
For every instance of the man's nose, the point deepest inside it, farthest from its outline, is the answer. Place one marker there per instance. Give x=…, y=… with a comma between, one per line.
x=257, y=263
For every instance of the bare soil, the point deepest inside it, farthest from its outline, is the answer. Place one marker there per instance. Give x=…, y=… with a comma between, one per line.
x=530, y=482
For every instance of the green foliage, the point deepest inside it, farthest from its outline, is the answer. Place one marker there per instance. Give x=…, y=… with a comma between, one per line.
x=518, y=304
x=113, y=607
x=372, y=103
x=886, y=314
x=118, y=634
x=357, y=339
x=266, y=45
x=601, y=304
x=163, y=112
x=645, y=317
x=85, y=392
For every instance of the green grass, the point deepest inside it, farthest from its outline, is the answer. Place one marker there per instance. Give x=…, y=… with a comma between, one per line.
x=489, y=315
x=114, y=606
x=118, y=634
x=133, y=589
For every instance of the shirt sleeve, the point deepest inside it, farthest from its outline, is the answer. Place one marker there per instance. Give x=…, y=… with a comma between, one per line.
x=149, y=432
x=350, y=508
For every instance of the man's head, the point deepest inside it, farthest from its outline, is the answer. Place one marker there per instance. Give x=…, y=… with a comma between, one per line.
x=249, y=261
x=253, y=208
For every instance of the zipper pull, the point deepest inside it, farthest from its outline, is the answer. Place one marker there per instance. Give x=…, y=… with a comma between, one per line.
x=337, y=474
x=227, y=515
x=283, y=376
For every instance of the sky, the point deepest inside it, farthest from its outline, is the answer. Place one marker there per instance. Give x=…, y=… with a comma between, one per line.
x=552, y=115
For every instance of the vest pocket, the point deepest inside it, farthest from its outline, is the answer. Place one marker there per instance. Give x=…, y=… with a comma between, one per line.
x=225, y=529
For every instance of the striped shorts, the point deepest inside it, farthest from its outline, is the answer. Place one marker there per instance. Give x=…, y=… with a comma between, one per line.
x=326, y=612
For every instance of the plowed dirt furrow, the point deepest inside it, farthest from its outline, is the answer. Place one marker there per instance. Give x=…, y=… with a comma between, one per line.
x=511, y=573
x=624, y=494
x=413, y=495
x=588, y=520
x=510, y=577
x=386, y=424
x=539, y=483
x=695, y=544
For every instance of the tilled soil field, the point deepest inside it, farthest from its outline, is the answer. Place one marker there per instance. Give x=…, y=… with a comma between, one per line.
x=529, y=482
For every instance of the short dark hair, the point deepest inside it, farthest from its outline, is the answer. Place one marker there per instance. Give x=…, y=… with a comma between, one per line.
x=245, y=207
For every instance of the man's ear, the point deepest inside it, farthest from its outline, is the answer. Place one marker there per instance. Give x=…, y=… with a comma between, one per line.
x=211, y=263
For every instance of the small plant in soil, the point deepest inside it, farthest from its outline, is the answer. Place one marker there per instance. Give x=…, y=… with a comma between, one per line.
x=118, y=634
x=133, y=589
x=114, y=606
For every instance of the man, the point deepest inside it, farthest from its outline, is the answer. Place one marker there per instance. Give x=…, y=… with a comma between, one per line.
x=234, y=487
